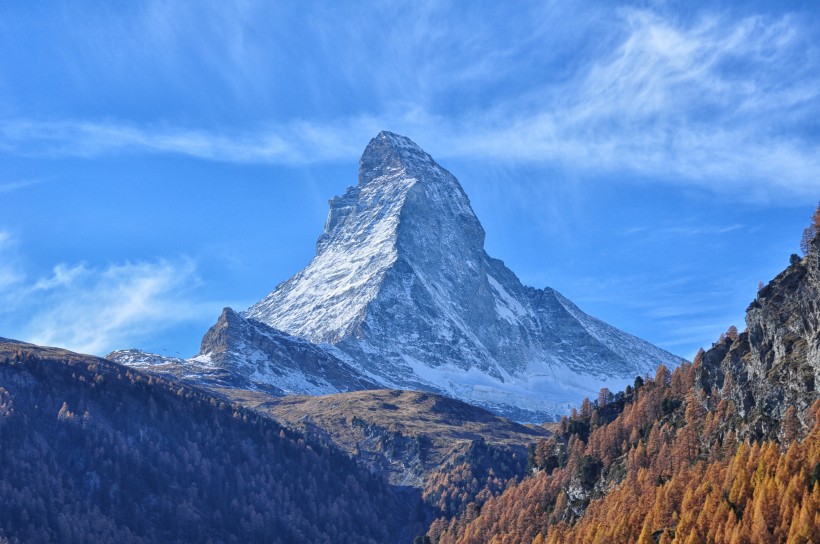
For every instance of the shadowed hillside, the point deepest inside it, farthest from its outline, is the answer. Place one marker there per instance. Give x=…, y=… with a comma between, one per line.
x=91, y=451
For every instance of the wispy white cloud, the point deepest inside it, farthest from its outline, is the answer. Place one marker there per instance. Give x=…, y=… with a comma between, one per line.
x=10, y=273
x=715, y=101
x=684, y=230
x=294, y=143
x=62, y=276
x=10, y=186
x=97, y=309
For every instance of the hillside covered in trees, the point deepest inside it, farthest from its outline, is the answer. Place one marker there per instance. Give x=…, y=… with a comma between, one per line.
x=91, y=451
x=663, y=469
x=724, y=449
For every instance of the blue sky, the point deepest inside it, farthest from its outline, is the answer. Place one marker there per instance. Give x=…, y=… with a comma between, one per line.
x=161, y=160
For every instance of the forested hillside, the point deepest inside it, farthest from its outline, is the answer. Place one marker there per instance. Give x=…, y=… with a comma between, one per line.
x=453, y=452
x=659, y=471
x=91, y=451
x=725, y=449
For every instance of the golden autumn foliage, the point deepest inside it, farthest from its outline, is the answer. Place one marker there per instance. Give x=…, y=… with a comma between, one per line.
x=671, y=472
x=760, y=495
x=810, y=232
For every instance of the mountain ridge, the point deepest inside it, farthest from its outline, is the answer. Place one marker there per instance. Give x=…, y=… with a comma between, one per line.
x=402, y=292
x=402, y=285
x=94, y=451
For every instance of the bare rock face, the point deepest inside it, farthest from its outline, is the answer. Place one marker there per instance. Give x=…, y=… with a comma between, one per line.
x=775, y=364
x=402, y=295
x=266, y=355
x=402, y=289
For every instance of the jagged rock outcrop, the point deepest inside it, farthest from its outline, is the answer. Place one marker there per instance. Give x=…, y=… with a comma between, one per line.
x=246, y=354
x=267, y=355
x=775, y=363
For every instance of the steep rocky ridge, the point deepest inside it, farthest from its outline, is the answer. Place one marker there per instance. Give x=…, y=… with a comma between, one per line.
x=267, y=355
x=247, y=354
x=775, y=363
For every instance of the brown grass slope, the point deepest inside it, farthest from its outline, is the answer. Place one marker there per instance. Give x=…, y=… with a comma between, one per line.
x=453, y=452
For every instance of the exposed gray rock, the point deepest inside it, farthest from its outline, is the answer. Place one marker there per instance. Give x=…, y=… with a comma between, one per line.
x=266, y=355
x=776, y=362
x=402, y=295
x=402, y=289
x=246, y=354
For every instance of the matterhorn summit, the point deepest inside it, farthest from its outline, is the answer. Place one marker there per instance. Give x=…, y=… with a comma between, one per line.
x=401, y=294
x=392, y=247
x=402, y=288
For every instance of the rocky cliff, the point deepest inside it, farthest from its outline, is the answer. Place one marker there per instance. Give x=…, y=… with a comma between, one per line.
x=775, y=363
x=246, y=354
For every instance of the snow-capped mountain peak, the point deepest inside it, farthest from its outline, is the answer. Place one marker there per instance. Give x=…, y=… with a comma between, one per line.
x=402, y=289
x=390, y=152
x=403, y=203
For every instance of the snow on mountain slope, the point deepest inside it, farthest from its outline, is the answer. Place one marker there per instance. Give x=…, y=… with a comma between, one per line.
x=268, y=356
x=402, y=290
x=402, y=295
x=246, y=354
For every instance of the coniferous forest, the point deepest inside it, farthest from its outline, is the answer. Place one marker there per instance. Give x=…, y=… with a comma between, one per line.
x=657, y=464
x=93, y=452
x=725, y=449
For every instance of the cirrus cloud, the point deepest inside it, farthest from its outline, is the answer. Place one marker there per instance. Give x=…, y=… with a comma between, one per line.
x=722, y=101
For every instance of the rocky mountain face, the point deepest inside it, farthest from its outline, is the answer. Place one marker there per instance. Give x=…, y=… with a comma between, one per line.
x=402, y=295
x=268, y=356
x=244, y=353
x=775, y=363
x=402, y=289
